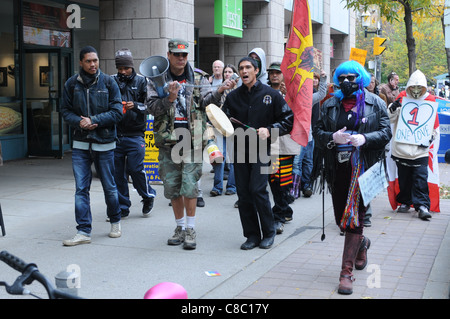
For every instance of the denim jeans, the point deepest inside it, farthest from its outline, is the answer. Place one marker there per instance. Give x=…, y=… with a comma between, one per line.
x=303, y=164
x=219, y=169
x=104, y=164
x=129, y=158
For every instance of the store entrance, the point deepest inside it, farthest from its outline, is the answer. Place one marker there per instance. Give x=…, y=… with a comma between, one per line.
x=46, y=72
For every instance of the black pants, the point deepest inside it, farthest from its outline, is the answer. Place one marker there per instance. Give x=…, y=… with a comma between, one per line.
x=281, y=208
x=413, y=184
x=254, y=205
x=340, y=193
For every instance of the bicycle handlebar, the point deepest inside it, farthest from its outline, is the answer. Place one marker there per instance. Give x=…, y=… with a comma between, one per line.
x=13, y=261
x=29, y=272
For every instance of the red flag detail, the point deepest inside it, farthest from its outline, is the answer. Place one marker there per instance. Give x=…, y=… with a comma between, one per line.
x=297, y=67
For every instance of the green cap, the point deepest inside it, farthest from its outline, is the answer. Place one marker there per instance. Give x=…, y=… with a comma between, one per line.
x=178, y=45
x=275, y=66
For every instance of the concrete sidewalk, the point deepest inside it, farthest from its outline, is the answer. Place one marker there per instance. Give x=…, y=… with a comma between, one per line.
x=408, y=257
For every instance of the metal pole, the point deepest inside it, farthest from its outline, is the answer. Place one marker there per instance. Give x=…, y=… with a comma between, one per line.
x=2, y=224
x=378, y=61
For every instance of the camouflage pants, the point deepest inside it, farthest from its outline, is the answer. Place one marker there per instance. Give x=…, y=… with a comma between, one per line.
x=180, y=179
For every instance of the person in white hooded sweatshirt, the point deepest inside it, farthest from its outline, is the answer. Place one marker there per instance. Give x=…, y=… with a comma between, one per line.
x=412, y=160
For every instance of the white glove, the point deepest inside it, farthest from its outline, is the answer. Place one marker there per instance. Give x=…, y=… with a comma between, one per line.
x=340, y=137
x=358, y=140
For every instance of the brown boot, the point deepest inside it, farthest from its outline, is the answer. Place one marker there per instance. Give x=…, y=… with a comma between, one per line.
x=361, y=258
x=351, y=247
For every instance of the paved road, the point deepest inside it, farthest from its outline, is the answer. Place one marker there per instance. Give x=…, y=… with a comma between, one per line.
x=36, y=196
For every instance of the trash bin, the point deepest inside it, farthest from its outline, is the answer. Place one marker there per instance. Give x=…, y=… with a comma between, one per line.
x=444, y=128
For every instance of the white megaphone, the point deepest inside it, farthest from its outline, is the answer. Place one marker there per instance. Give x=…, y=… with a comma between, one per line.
x=155, y=68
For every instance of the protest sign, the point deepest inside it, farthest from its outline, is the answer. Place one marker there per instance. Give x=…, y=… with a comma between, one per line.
x=416, y=121
x=372, y=182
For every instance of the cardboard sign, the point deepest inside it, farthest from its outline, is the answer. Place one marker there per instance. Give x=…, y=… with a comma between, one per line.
x=358, y=55
x=416, y=121
x=372, y=182
x=318, y=60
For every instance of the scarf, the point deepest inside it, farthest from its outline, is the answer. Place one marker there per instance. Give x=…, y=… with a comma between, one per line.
x=350, y=217
x=124, y=79
x=88, y=78
x=348, y=103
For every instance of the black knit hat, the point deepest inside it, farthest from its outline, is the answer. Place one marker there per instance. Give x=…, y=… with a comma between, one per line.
x=124, y=58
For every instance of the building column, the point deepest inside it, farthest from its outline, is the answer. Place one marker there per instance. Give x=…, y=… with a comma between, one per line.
x=323, y=36
x=264, y=29
x=144, y=27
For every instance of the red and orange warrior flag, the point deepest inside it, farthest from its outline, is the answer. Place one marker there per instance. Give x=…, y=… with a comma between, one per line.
x=297, y=67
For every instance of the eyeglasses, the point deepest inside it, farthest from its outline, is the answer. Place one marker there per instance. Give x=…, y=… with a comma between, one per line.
x=177, y=54
x=342, y=78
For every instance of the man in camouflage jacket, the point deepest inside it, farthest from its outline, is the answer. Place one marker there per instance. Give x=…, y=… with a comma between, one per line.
x=179, y=124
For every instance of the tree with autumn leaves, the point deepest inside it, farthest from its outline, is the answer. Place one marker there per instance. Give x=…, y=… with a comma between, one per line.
x=414, y=13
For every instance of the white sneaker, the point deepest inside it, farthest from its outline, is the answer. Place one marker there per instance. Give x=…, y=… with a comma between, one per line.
x=116, y=230
x=78, y=239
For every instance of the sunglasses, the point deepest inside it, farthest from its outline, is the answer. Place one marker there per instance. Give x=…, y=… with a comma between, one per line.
x=177, y=54
x=342, y=78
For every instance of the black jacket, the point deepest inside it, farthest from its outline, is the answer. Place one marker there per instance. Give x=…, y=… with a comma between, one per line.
x=375, y=127
x=262, y=106
x=134, y=120
x=100, y=102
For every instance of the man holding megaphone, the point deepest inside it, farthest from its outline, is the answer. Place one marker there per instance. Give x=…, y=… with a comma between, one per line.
x=181, y=108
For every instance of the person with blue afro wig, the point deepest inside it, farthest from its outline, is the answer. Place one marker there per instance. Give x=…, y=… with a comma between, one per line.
x=351, y=134
x=352, y=86
x=352, y=67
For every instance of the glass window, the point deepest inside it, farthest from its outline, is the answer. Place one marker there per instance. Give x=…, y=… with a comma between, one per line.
x=45, y=25
x=10, y=108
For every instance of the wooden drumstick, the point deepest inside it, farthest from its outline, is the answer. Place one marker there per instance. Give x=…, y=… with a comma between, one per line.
x=232, y=119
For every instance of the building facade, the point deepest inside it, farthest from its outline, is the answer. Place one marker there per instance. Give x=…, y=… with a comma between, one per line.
x=42, y=38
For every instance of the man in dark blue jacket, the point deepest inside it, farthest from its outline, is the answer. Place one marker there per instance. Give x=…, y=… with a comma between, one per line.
x=92, y=106
x=263, y=109
x=130, y=151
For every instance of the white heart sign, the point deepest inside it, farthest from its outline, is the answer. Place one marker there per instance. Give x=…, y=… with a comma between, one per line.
x=416, y=121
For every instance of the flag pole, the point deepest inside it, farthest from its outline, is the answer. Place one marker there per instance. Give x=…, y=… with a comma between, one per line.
x=292, y=18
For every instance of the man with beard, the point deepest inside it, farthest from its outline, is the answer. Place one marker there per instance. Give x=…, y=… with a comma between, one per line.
x=91, y=105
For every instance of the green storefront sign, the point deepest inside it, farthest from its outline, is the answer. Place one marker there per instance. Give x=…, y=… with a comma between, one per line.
x=228, y=17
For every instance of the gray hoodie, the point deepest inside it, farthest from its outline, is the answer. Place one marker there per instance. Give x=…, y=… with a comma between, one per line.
x=263, y=72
